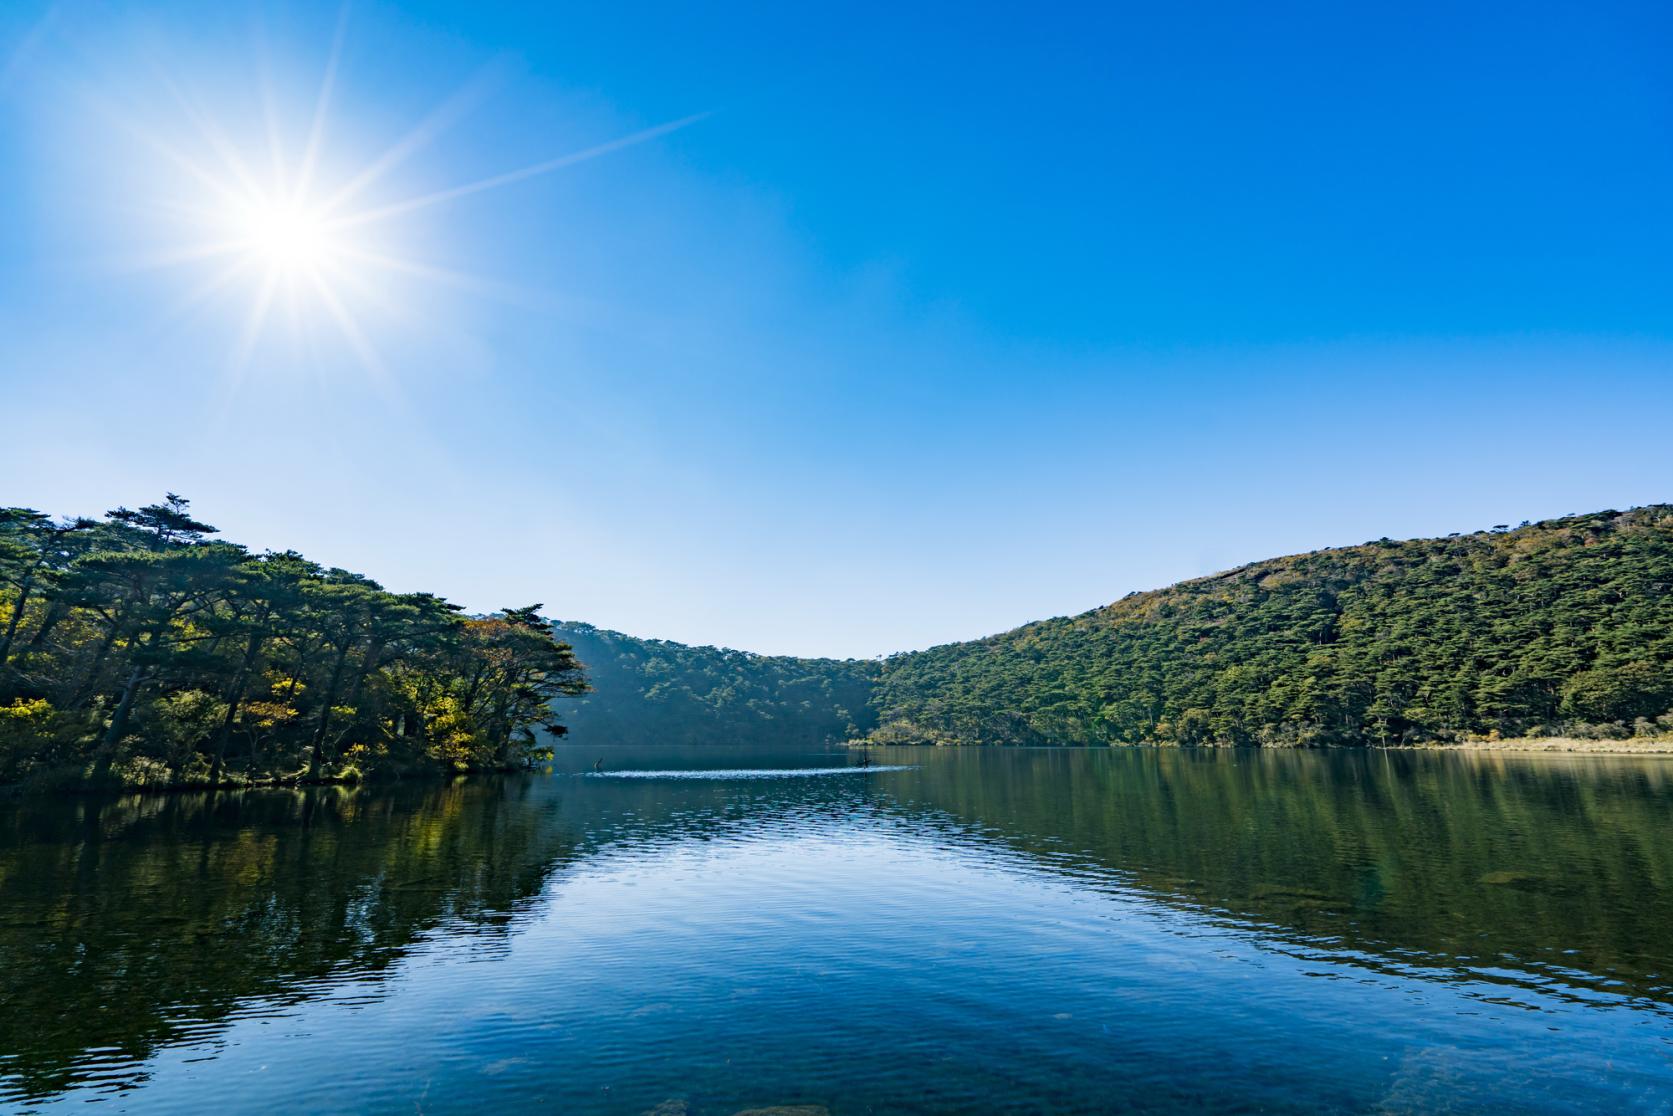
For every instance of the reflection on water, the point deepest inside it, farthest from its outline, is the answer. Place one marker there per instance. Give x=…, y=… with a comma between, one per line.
x=973, y=930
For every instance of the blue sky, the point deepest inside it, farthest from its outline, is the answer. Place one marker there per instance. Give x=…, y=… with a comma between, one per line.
x=936, y=320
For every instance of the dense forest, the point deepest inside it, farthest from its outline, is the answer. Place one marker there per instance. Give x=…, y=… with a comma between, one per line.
x=1563, y=627
x=136, y=650
x=652, y=691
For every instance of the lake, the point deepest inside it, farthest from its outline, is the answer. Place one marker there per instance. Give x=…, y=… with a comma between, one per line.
x=711, y=930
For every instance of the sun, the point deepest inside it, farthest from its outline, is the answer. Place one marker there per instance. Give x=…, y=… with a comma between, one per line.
x=271, y=214
x=285, y=236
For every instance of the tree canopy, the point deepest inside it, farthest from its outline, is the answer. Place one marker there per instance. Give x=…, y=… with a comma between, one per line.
x=136, y=649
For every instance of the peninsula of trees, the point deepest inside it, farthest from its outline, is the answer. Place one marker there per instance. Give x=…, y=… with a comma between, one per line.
x=135, y=650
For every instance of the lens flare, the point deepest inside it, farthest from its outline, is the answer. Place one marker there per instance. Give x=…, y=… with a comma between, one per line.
x=267, y=207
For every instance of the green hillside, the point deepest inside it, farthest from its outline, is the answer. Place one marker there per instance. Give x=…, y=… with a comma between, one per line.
x=652, y=691
x=1564, y=626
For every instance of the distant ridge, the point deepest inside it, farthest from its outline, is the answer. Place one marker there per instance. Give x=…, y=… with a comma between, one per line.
x=653, y=691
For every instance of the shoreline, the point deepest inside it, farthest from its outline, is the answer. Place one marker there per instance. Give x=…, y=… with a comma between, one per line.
x=1544, y=745
x=1538, y=745
x=1532, y=745
x=90, y=788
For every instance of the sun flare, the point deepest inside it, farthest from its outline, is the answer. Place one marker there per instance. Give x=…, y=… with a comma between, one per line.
x=273, y=217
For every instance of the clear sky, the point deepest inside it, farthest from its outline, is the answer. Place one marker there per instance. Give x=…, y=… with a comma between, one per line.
x=917, y=323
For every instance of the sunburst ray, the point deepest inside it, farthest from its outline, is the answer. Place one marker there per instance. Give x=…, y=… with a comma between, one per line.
x=410, y=205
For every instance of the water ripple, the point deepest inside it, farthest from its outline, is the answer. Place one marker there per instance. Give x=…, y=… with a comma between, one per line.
x=729, y=773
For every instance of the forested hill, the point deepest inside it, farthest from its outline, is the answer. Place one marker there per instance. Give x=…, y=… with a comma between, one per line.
x=1564, y=626
x=652, y=691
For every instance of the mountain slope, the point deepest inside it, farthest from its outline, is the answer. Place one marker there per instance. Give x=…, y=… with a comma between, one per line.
x=652, y=691
x=1551, y=627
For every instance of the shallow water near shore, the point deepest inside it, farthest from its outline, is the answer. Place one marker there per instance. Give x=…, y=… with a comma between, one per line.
x=714, y=930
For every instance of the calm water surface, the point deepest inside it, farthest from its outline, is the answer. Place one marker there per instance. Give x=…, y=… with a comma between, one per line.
x=716, y=930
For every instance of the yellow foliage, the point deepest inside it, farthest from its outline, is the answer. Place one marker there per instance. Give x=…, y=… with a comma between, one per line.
x=26, y=709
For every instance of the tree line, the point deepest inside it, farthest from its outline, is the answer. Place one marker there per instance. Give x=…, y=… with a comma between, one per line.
x=136, y=649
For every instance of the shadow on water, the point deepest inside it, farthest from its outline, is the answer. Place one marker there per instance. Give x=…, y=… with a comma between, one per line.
x=132, y=925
